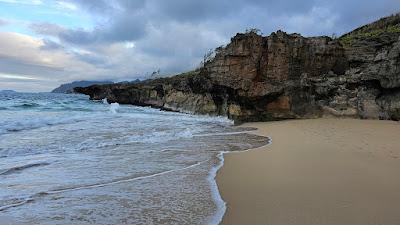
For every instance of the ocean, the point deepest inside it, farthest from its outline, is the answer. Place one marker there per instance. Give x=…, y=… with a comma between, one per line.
x=67, y=160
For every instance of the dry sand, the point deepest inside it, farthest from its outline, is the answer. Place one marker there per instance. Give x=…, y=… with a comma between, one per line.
x=322, y=171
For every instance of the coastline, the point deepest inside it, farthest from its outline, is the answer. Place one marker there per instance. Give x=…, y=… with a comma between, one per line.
x=216, y=195
x=317, y=171
x=212, y=179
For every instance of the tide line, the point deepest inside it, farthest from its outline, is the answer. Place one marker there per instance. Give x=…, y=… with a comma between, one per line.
x=117, y=181
x=221, y=204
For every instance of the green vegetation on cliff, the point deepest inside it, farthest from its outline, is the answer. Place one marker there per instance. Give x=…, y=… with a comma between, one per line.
x=386, y=26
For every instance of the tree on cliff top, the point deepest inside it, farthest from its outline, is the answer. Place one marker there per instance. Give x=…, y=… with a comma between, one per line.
x=253, y=30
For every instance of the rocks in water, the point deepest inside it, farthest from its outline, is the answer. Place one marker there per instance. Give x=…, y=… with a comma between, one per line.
x=283, y=76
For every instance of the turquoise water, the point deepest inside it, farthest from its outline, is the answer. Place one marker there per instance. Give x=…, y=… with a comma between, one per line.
x=67, y=160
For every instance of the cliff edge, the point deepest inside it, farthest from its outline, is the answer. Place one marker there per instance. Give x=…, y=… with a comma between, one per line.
x=283, y=76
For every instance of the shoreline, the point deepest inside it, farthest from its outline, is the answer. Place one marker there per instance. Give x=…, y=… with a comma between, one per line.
x=212, y=179
x=220, y=204
x=316, y=171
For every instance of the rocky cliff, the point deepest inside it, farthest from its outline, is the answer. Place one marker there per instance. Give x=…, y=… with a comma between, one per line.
x=283, y=76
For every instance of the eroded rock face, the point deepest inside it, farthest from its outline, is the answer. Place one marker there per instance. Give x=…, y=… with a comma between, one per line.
x=280, y=76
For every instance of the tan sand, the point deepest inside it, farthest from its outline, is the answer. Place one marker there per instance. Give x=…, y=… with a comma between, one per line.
x=322, y=171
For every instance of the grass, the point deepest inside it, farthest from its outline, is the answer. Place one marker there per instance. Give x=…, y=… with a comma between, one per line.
x=387, y=25
x=189, y=73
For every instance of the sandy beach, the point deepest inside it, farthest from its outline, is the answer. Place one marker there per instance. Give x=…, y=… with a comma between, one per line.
x=320, y=171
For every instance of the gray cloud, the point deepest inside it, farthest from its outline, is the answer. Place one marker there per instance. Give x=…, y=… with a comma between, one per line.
x=3, y=22
x=98, y=6
x=198, y=11
x=109, y=6
x=10, y=65
x=43, y=61
x=47, y=28
x=122, y=28
x=51, y=45
x=356, y=13
x=93, y=59
x=129, y=20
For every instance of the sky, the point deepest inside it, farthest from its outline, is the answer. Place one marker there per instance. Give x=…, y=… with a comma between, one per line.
x=44, y=43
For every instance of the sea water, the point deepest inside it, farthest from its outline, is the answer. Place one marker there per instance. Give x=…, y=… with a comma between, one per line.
x=67, y=160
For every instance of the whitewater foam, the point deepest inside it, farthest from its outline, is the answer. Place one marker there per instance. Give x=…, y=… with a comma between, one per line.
x=114, y=107
x=22, y=167
x=221, y=204
x=37, y=122
x=97, y=185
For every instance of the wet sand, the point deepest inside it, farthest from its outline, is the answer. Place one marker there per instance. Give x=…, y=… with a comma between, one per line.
x=320, y=171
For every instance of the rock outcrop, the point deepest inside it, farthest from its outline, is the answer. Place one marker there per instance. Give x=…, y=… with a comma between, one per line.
x=283, y=76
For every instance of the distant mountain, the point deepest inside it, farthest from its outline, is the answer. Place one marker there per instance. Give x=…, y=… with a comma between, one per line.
x=7, y=91
x=130, y=82
x=69, y=87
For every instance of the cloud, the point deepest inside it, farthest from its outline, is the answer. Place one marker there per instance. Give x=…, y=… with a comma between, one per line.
x=50, y=45
x=356, y=13
x=23, y=2
x=46, y=28
x=99, y=6
x=92, y=59
x=118, y=30
x=66, y=5
x=16, y=77
x=133, y=20
x=3, y=22
x=23, y=54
